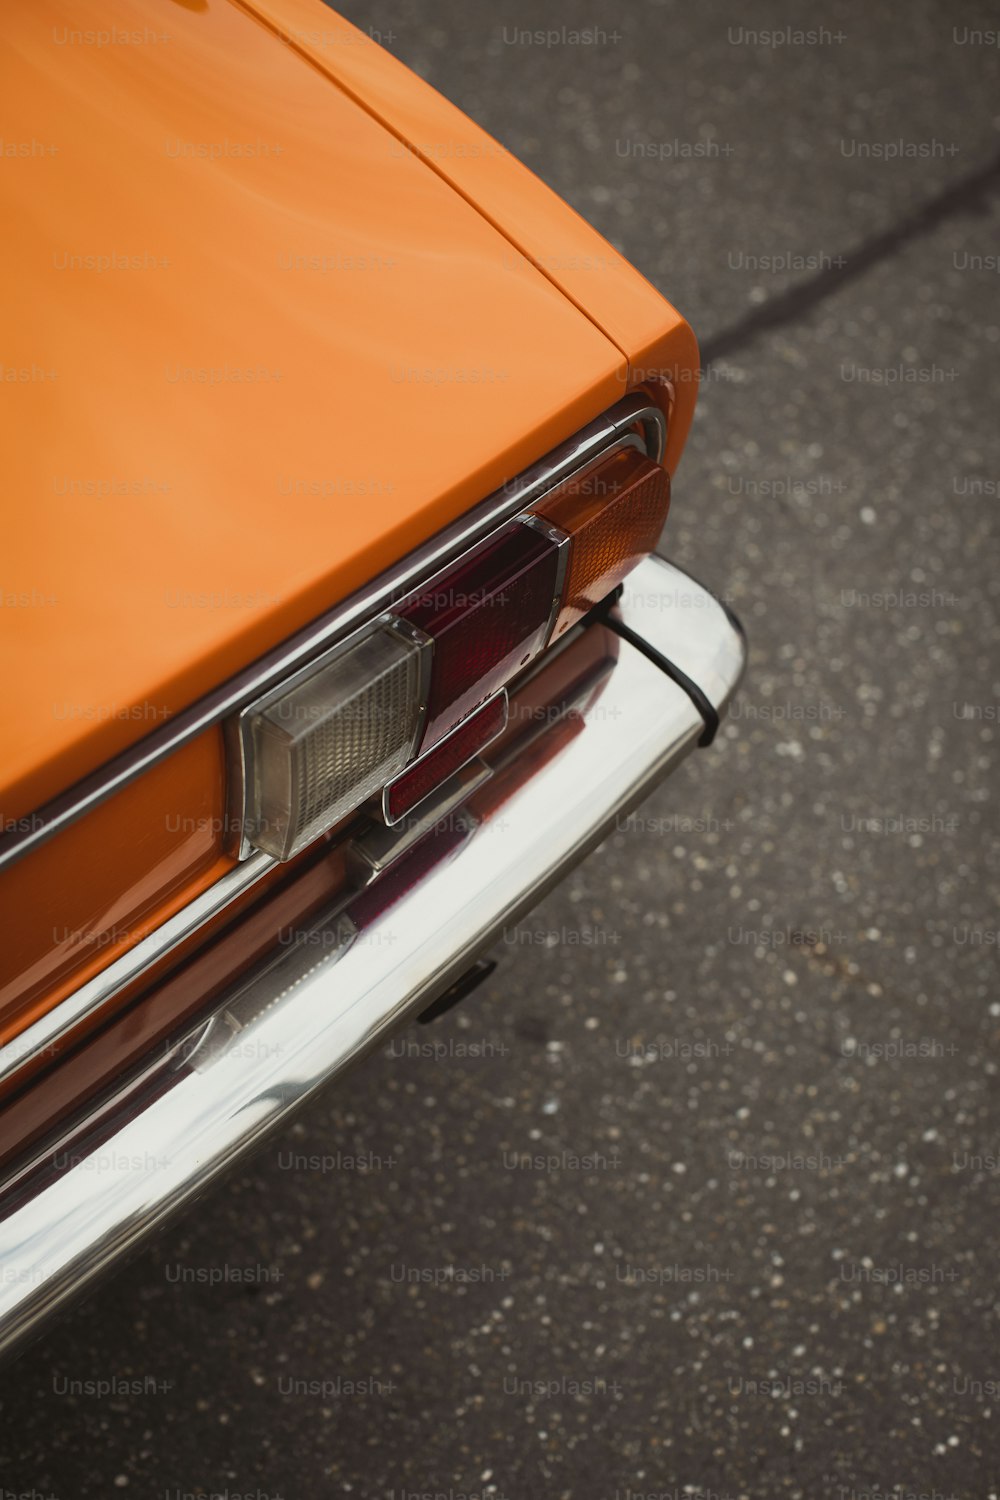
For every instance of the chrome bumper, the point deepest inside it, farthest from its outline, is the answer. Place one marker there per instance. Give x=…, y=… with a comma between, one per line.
x=316, y=1007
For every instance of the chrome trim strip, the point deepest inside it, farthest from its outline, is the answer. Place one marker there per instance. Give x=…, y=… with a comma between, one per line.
x=298, y=1021
x=360, y=607
x=45, y=1034
x=560, y=538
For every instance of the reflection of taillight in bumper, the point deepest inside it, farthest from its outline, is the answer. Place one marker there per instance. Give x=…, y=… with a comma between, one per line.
x=449, y=755
x=353, y=721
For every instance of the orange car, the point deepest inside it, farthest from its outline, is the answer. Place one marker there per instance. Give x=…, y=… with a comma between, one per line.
x=337, y=451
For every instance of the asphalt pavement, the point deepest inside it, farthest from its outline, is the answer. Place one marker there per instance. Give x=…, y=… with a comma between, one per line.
x=753, y=1038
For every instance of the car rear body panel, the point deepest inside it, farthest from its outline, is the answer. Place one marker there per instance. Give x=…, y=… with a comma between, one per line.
x=547, y=233
x=257, y=350
x=287, y=337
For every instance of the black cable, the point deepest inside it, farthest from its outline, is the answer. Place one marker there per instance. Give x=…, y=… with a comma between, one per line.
x=704, y=705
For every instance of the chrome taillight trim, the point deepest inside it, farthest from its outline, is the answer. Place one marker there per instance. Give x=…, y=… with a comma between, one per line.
x=361, y=607
x=560, y=539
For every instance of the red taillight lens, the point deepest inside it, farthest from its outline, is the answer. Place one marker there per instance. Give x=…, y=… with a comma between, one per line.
x=471, y=736
x=613, y=514
x=487, y=617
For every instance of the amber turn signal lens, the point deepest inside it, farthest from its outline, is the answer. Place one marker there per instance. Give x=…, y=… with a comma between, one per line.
x=613, y=514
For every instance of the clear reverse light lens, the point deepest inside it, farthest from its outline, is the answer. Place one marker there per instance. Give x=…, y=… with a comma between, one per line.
x=328, y=743
x=613, y=515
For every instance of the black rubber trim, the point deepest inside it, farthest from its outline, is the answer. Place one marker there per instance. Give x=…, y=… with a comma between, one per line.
x=705, y=708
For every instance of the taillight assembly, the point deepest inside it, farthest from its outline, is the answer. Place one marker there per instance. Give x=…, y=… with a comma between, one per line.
x=400, y=708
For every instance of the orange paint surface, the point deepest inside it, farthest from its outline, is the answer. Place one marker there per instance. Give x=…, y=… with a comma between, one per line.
x=254, y=351
x=549, y=235
x=84, y=898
